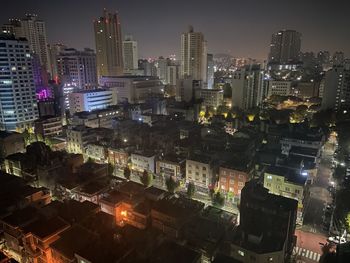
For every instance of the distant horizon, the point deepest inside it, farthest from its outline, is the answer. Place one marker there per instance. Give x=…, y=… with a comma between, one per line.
x=242, y=30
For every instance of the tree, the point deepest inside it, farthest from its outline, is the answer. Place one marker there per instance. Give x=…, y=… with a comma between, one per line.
x=146, y=178
x=127, y=172
x=171, y=184
x=110, y=169
x=218, y=200
x=191, y=189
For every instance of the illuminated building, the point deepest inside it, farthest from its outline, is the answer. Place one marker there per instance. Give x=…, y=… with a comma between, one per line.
x=281, y=88
x=290, y=184
x=18, y=105
x=89, y=100
x=193, y=55
x=78, y=67
x=108, y=38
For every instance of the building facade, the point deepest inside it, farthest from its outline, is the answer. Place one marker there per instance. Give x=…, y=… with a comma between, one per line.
x=77, y=67
x=285, y=47
x=130, y=54
x=281, y=88
x=248, y=87
x=109, y=45
x=18, y=102
x=89, y=100
x=193, y=55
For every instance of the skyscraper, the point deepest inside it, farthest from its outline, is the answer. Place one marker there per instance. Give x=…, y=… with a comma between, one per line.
x=109, y=50
x=336, y=93
x=285, y=47
x=130, y=53
x=248, y=87
x=77, y=67
x=34, y=31
x=193, y=55
x=210, y=71
x=18, y=105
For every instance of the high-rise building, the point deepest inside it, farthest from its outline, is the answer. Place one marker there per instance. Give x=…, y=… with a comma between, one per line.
x=109, y=45
x=285, y=47
x=336, y=93
x=130, y=54
x=210, y=71
x=77, y=67
x=172, y=74
x=18, y=105
x=248, y=87
x=54, y=50
x=193, y=55
x=161, y=65
x=323, y=57
x=338, y=58
x=34, y=31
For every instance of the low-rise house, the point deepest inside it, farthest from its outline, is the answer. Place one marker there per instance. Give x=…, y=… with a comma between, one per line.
x=171, y=166
x=288, y=183
x=169, y=215
x=200, y=171
x=141, y=161
x=11, y=143
x=48, y=126
x=232, y=178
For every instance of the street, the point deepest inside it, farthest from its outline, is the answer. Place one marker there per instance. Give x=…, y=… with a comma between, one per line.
x=309, y=237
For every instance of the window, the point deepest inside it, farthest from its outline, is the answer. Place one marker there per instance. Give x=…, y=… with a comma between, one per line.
x=241, y=253
x=287, y=189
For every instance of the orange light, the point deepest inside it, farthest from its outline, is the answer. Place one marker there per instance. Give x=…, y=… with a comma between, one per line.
x=124, y=213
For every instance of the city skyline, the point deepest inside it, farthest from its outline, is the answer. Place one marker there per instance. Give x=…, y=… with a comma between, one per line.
x=160, y=34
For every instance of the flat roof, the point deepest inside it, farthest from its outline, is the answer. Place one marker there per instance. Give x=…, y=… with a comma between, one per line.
x=289, y=174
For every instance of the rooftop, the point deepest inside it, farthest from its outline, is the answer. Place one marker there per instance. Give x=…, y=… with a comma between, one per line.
x=44, y=228
x=289, y=174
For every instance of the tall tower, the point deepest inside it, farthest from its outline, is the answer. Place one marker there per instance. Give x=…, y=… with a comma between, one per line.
x=130, y=53
x=18, y=104
x=285, y=47
x=34, y=30
x=109, y=50
x=193, y=55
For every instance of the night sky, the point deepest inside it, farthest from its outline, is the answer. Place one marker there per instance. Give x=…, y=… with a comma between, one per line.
x=241, y=28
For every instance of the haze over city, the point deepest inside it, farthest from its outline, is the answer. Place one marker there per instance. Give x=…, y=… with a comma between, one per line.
x=239, y=28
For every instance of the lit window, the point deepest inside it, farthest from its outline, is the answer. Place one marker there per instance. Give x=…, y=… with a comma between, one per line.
x=241, y=253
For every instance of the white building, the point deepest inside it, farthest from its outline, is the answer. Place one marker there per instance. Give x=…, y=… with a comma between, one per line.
x=134, y=89
x=143, y=161
x=200, y=172
x=130, y=54
x=211, y=97
x=18, y=104
x=248, y=87
x=78, y=138
x=281, y=88
x=193, y=55
x=88, y=100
